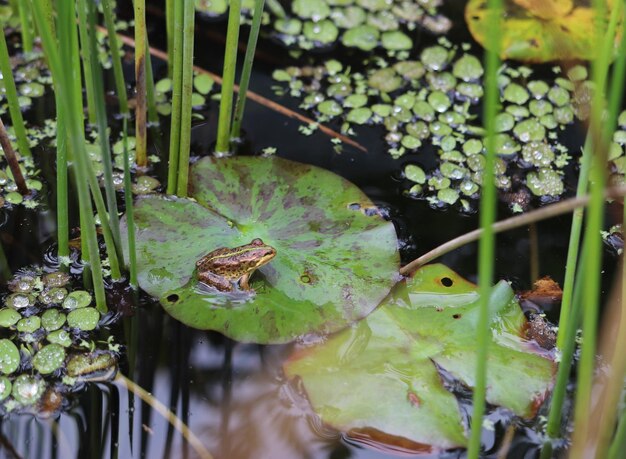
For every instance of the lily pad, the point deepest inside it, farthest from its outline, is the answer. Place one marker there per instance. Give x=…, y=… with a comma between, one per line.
x=561, y=34
x=335, y=262
x=427, y=323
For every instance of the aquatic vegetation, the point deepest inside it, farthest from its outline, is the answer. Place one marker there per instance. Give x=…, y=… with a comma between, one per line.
x=336, y=257
x=32, y=78
x=425, y=327
x=540, y=31
x=203, y=89
x=433, y=102
x=47, y=342
x=9, y=194
x=360, y=24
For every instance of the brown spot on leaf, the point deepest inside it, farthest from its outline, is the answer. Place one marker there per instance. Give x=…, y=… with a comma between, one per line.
x=414, y=399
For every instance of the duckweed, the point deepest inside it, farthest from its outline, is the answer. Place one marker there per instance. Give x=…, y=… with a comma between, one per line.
x=9, y=357
x=9, y=317
x=28, y=389
x=33, y=319
x=49, y=359
x=85, y=319
x=434, y=101
x=360, y=24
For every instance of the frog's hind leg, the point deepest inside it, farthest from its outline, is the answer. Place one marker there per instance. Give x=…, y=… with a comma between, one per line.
x=213, y=280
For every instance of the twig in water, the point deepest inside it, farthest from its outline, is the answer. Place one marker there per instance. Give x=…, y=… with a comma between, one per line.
x=14, y=165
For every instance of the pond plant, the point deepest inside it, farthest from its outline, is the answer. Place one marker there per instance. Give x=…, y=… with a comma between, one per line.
x=166, y=230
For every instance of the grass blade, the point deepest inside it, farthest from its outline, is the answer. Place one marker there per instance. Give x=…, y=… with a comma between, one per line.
x=12, y=98
x=116, y=59
x=140, y=78
x=228, y=78
x=247, y=69
x=60, y=59
x=177, y=82
x=185, y=105
x=487, y=217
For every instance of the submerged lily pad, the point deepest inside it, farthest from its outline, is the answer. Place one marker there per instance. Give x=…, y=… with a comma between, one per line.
x=334, y=263
x=395, y=354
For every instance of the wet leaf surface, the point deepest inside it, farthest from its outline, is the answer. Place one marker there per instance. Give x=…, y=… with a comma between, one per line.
x=334, y=263
x=428, y=324
x=535, y=31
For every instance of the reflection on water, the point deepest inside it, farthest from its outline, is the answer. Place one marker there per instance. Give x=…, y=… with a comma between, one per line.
x=233, y=396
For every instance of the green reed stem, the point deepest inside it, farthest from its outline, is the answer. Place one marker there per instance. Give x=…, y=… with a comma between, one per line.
x=103, y=138
x=141, y=132
x=185, y=105
x=130, y=212
x=602, y=428
x=60, y=59
x=12, y=98
x=177, y=82
x=63, y=225
x=169, y=27
x=573, y=245
x=228, y=78
x=583, y=179
x=116, y=59
x=618, y=446
x=247, y=69
x=567, y=354
x=153, y=115
x=63, y=250
x=25, y=26
x=593, y=244
x=87, y=59
x=486, y=255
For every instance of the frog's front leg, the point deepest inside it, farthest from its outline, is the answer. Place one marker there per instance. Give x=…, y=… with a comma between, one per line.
x=244, y=281
x=213, y=280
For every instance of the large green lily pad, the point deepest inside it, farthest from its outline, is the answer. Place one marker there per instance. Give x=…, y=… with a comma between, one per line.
x=336, y=258
x=539, y=32
x=380, y=377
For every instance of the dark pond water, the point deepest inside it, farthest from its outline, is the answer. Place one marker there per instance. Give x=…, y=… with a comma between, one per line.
x=233, y=396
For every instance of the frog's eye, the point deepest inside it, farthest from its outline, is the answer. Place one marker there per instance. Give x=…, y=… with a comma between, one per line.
x=257, y=241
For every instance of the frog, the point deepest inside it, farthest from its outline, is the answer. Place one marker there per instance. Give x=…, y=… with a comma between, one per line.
x=226, y=268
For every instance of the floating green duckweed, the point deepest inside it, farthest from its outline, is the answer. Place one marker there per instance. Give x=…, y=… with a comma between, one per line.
x=56, y=279
x=77, y=299
x=34, y=319
x=9, y=357
x=5, y=387
x=434, y=102
x=545, y=182
x=28, y=324
x=19, y=300
x=49, y=358
x=145, y=185
x=52, y=319
x=361, y=24
x=85, y=319
x=203, y=89
x=54, y=295
x=28, y=389
x=9, y=317
x=60, y=337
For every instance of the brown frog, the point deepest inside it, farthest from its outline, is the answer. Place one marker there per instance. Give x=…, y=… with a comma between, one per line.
x=224, y=268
